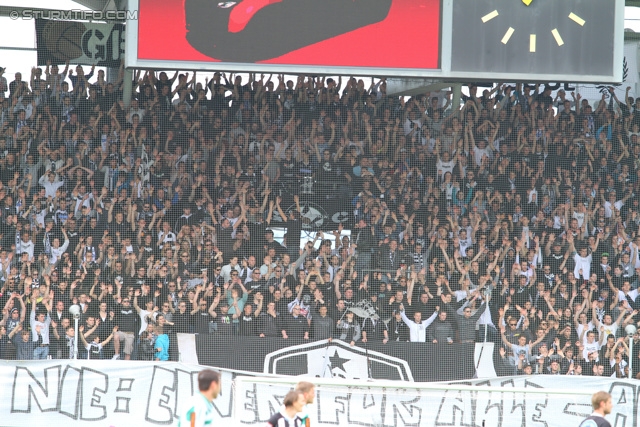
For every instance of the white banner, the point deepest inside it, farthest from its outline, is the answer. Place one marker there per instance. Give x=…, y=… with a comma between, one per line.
x=512, y=401
x=120, y=393
x=101, y=393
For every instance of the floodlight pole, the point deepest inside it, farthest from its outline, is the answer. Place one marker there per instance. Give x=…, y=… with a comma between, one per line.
x=75, y=311
x=631, y=357
x=75, y=338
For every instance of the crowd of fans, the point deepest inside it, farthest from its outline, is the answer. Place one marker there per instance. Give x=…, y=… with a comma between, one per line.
x=513, y=219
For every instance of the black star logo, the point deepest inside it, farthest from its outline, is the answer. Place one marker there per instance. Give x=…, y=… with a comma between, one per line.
x=337, y=362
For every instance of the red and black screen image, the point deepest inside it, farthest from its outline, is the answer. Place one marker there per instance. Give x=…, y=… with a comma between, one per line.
x=339, y=33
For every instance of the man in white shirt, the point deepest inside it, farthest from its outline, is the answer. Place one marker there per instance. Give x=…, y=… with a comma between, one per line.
x=56, y=249
x=418, y=327
x=582, y=258
x=147, y=314
x=591, y=347
x=51, y=182
x=26, y=245
x=607, y=326
x=613, y=204
x=225, y=272
x=626, y=292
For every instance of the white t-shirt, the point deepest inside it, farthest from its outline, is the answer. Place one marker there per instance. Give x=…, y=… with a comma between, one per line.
x=633, y=294
x=445, y=166
x=590, y=348
x=583, y=264
x=611, y=329
x=580, y=217
x=516, y=351
x=608, y=212
x=581, y=328
x=479, y=153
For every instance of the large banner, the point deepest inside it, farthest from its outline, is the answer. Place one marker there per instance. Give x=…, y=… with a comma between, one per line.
x=120, y=393
x=101, y=393
x=402, y=361
x=84, y=43
x=372, y=406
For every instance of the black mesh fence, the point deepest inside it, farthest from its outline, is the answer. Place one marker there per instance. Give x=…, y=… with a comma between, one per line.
x=315, y=218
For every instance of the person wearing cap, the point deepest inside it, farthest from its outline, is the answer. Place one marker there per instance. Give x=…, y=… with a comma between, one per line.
x=296, y=326
x=524, y=366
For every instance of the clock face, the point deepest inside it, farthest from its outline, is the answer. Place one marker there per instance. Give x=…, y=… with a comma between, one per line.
x=533, y=36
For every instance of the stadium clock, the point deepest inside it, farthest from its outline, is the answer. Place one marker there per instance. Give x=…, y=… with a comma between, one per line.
x=533, y=36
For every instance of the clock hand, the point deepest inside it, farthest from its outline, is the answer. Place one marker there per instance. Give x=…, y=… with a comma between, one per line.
x=243, y=12
x=527, y=2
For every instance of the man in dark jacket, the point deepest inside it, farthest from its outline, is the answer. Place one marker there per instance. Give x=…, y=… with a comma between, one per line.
x=296, y=325
x=321, y=324
x=441, y=330
x=364, y=241
x=467, y=322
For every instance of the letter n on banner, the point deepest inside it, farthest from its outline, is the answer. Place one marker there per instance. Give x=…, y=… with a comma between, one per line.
x=39, y=388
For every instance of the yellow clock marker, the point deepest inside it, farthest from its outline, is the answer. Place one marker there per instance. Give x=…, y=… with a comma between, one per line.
x=507, y=35
x=556, y=35
x=489, y=16
x=527, y=2
x=532, y=43
x=575, y=18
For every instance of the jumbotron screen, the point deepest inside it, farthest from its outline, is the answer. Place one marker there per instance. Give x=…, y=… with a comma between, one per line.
x=331, y=33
